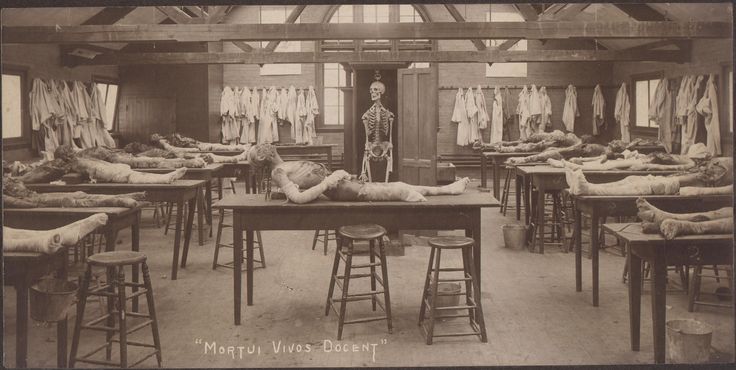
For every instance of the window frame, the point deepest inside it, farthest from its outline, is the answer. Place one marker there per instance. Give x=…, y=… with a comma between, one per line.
x=291, y=68
x=24, y=141
x=111, y=81
x=488, y=73
x=640, y=130
x=726, y=105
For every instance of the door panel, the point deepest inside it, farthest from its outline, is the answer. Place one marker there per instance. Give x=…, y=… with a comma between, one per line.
x=417, y=118
x=142, y=116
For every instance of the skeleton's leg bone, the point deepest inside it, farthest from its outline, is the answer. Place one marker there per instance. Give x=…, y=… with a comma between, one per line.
x=700, y=190
x=650, y=213
x=672, y=228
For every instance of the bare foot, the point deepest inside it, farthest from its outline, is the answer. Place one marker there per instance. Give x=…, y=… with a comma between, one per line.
x=177, y=174
x=576, y=181
x=670, y=228
x=457, y=187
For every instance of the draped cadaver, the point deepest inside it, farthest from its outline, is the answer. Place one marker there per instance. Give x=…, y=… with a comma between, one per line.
x=49, y=241
x=671, y=225
x=16, y=195
x=378, y=122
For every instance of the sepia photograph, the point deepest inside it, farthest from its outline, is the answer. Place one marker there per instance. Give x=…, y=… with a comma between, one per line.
x=291, y=184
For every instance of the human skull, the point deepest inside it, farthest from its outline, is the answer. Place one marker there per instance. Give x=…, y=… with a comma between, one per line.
x=377, y=89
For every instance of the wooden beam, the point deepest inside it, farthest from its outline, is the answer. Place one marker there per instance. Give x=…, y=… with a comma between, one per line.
x=550, y=12
x=318, y=31
x=217, y=13
x=109, y=15
x=570, y=11
x=478, y=43
x=177, y=15
x=641, y=12
x=198, y=11
x=527, y=11
x=291, y=19
x=243, y=46
x=651, y=45
x=400, y=56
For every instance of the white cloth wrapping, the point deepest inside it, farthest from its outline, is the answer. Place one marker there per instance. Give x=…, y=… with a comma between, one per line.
x=708, y=107
x=622, y=112
x=522, y=109
x=497, y=117
x=472, y=111
x=546, y=116
x=570, y=111
x=312, y=111
x=460, y=116
x=599, y=105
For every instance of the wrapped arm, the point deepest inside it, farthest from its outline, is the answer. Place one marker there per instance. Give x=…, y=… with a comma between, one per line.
x=292, y=192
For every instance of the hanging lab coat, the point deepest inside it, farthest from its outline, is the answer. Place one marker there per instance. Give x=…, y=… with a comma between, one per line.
x=690, y=129
x=291, y=110
x=82, y=101
x=708, y=107
x=622, y=112
x=661, y=111
x=460, y=116
x=102, y=135
x=472, y=110
x=312, y=112
x=497, y=119
x=483, y=118
x=522, y=109
x=301, y=117
x=255, y=104
x=535, y=111
x=275, y=104
x=599, y=105
x=570, y=111
x=546, y=116
x=283, y=103
x=247, y=130
x=265, y=134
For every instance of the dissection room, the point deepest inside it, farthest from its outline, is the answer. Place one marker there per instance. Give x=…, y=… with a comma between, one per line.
x=367, y=185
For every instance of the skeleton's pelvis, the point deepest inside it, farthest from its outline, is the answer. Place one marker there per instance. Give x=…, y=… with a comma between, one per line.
x=378, y=151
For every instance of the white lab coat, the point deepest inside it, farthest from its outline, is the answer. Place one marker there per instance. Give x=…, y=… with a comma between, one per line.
x=622, y=112
x=708, y=107
x=460, y=116
x=497, y=117
x=599, y=105
x=570, y=111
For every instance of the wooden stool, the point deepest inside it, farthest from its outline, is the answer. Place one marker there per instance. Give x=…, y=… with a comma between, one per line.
x=218, y=245
x=431, y=285
x=507, y=190
x=694, y=291
x=114, y=290
x=346, y=235
x=324, y=238
x=554, y=220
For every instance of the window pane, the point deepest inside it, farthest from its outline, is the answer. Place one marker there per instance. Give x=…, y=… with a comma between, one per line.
x=505, y=13
x=341, y=77
x=332, y=115
x=369, y=14
x=331, y=96
x=652, y=90
x=111, y=105
x=12, y=119
x=102, y=89
x=642, y=103
x=330, y=78
x=730, y=101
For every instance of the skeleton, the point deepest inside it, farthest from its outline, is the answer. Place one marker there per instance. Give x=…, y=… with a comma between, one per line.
x=49, y=241
x=16, y=195
x=304, y=181
x=671, y=225
x=378, y=122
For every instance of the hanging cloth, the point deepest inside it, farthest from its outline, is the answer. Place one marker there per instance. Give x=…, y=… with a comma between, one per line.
x=690, y=129
x=103, y=136
x=247, y=133
x=472, y=110
x=661, y=111
x=508, y=114
x=291, y=110
x=497, y=119
x=283, y=103
x=265, y=134
x=228, y=111
x=460, y=116
x=708, y=107
x=522, y=109
x=599, y=105
x=312, y=112
x=82, y=101
x=255, y=104
x=483, y=118
x=622, y=112
x=546, y=116
x=301, y=112
x=535, y=111
x=570, y=111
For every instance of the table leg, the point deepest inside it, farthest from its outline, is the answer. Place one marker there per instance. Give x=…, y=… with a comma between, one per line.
x=200, y=213
x=659, y=299
x=219, y=189
x=634, y=298
x=135, y=233
x=483, y=172
x=517, y=185
x=177, y=237
x=246, y=174
x=474, y=232
x=110, y=237
x=540, y=219
x=578, y=250
x=527, y=199
x=496, y=179
x=249, y=264
x=61, y=333
x=594, y=244
x=237, y=263
x=188, y=233
x=21, y=339
x=208, y=202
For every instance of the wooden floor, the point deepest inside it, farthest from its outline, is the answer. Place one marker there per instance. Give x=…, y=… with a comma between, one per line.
x=532, y=312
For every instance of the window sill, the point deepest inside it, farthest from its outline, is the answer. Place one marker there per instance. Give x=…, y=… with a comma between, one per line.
x=14, y=144
x=330, y=129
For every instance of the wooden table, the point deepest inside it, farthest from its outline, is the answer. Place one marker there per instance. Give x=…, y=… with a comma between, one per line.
x=601, y=206
x=206, y=173
x=239, y=169
x=496, y=159
x=660, y=253
x=178, y=192
x=546, y=178
x=21, y=270
x=288, y=150
x=252, y=212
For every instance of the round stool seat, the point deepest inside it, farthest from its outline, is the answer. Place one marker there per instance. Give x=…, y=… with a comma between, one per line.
x=116, y=258
x=451, y=242
x=362, y=232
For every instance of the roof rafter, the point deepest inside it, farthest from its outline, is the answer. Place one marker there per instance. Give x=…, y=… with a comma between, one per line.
x=291, y=19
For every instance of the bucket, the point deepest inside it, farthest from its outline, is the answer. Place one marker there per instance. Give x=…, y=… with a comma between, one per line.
x=447, y=300
x=51, y=298
x=514, y=236
x=688, y=341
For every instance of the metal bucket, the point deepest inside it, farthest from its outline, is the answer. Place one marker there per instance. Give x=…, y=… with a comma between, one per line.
x=51, y=298
x=514, y=236
x=688, y=341
x=447, y=300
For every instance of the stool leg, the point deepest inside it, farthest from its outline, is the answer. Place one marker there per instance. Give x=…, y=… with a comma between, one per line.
x=694, y=291
x=335, y=266
x=260, y=248
x=314, y=240
x=80, y=315
x=715, y=272
x=152, y=311
x=477, y=298
x=371, y=251
x=324, y=241
x=468, y=285
x=169, y=210
x=218, y=238
x=386, y=291
x=345, y=290
x=423, y=305
x=435, y=286
x=110, y=271
x=121, y=318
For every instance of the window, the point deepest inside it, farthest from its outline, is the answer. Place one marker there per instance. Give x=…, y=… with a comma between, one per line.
x=335, y=77
x=376, y=14
x=407, y=14
x=16, y=122
x=644, y=92
x=109, y=93
x=279, y=14
x=505, y=13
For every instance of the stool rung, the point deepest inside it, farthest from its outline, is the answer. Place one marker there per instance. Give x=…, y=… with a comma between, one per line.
x=352, y=299
x=139, y=326
x=97, y=320
x=451, y=316
x=98, y=362
x=456, y=334
x=132, y=284
x=103, y=294
x=364, y=265
x=353, y=276
x=100, y=288
x=449, y=294
x=372, y=292
x=132, y=343
x=454, y=280
x=449, y=269
x=703, y=303
x=137, y=314
x=463, y=307
x=146, y=357
x=99, y=328
x=366, y=319
x=93, y=351
x=136, y=294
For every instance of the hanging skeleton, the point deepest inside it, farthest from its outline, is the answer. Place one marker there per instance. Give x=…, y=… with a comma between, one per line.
x=378, y=122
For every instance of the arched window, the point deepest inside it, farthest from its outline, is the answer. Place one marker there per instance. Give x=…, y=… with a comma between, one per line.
x=505, y=13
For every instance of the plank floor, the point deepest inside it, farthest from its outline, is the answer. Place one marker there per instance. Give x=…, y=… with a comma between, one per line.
x=533, y=314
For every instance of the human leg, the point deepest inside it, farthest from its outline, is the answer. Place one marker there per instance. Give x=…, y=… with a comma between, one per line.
x=672, y=228
x=650, y=213
x=632, y=185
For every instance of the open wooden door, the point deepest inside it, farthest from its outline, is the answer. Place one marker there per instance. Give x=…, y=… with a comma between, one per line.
x=417, y=126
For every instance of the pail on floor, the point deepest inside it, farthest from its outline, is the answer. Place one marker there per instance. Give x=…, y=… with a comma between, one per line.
x=51, y=298
x=688, y=341
x=447, y=300
x=514, y=236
